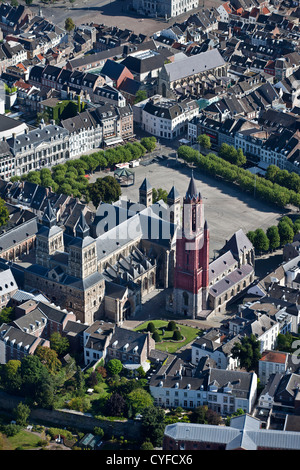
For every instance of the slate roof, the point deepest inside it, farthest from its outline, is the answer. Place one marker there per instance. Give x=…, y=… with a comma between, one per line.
x=230, y=280
x=18, y=234
x=195, y=64
x=237, y=244
x=132, y=338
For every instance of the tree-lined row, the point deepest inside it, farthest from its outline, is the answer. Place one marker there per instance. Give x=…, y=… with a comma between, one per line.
x=262, y=188
x=70, y=177
x=275, y=236
x=284, y=178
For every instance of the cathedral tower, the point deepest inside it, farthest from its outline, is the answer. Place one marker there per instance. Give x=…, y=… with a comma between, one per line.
x=192, y=257
x=49, y=238
x=82, y=252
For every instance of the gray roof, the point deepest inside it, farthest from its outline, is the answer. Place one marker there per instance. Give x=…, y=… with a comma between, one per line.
x=230, y=280
x=36, y=137
x=243, y=432
x=18, y=234
x=221, y=264
x=195, y=64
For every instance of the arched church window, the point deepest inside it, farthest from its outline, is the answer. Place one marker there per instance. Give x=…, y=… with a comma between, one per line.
x=185, y=298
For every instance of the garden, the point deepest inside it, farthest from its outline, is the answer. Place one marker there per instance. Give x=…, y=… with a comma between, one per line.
x=169, y=336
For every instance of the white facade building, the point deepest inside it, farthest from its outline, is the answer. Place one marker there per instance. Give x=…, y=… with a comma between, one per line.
x=166, y=118
x=223, y=391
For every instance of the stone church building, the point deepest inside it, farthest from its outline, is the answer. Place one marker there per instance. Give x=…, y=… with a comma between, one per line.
x=104, y=268
x=202, y=288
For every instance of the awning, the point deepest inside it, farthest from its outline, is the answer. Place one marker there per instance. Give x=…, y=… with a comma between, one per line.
x=113, y=141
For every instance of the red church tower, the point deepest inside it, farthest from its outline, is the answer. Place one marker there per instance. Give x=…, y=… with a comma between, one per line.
x=192, y=257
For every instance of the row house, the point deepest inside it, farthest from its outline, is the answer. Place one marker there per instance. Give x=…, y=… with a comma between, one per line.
x=39, y=148
x=100, y=126
x=55, y=77
x=11, y=54
x=132, y=348
x=35, y=323
x=16, y=344
x=12, y=19
x=85, y=133
x=223, y=391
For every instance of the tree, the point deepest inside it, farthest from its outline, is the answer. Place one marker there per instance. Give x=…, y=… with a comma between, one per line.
x=80, y=382
x=115, y=405
x=114, y=367
x=153, y=424
x=141, y=95
x=147, y=445
x=69, y=25
x=22, y=413
x=251, y=236
x=59, y=344
x=204, y=141
x=284, y=342
x=105, y=189
x=172, y=326
x=99, y=432
x=204, y=415
x=33, y=374
x=159, y=194
x=248, y=352
x=149, y=143
x=274, y=237
x=4, y=214
x=11, y=376
x=49, y=359
x=286, y=233
x=261, y=241
x=156, y=337
x=6, y=315
x=139, y=399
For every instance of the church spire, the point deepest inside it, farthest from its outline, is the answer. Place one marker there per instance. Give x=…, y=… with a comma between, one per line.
x=192, y=192
x=82, y=228
x=49, y=218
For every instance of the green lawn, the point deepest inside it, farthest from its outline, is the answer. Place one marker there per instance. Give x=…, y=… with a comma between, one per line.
x=24, y=439
x=189, y=334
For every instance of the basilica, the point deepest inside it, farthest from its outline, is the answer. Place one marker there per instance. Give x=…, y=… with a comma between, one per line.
x=112, y=259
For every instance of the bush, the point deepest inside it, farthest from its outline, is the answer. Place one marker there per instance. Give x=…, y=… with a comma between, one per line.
x=151, y=327
x=147, y=445
x=177, y=335
x=172, y=325
x=156, y=337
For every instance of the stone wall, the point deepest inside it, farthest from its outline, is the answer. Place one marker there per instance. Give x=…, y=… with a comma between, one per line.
x=129, y=429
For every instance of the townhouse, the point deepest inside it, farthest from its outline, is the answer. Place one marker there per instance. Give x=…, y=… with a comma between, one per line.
x=223, y=391
x=217, y=347
x=164, y=117
x=39, y=148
